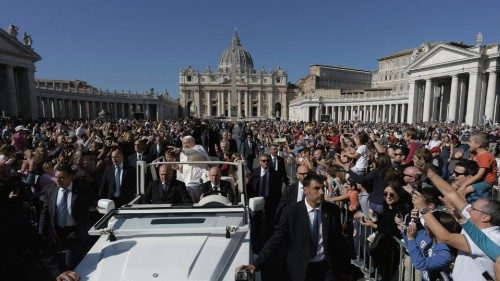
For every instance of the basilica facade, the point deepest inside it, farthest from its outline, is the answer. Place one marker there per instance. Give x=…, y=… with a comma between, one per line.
x=235, y=89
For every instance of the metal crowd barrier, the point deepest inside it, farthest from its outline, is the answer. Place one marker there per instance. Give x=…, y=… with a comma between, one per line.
x=405, y=272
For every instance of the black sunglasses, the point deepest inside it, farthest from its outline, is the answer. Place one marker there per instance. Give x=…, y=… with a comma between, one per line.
x=389, y=194
x=264, y=160
x=458, y=173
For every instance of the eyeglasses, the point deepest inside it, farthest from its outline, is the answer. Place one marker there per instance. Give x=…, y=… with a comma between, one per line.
x=458, y=173
x=264, y=160
x=472, y=208
x=398, y=154
x=303, y=174
x=389, y=194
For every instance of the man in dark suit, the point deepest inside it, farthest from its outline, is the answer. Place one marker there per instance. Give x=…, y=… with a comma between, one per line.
x=167, y=190
x=316, y=246
x=118, y=181
x=138, y=155
x=233, y=146
x=278, y=163
x=157, y=149
x=24, y=254
x=249, y=150
x=65, y=216
x=293, y=192
x=265, y=182
x=209, y=139
x=216, y=186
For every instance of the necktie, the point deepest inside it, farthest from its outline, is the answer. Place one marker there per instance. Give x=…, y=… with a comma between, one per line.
x=62, y=209
x=314, y=234
x=164, y=189
x=139, y=157
x=274, y=163
x=264, y=191
x=216, y=188
x=117, y=181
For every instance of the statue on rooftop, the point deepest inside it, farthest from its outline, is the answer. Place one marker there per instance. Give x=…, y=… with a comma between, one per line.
x=12, y=30
x=479, y=39
x=27, y=40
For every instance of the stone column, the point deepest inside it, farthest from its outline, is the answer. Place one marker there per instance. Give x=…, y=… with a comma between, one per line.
x=383, y=113
x=238, y=100
x=339, y=114
x=411, y=103
x=471, y=116
x=403, y=113
x=223, y=103
x=391, y=117
x=461, y=108
x=259, y=103
x=197, y=102
x=208, y=103
x=247, y=106
x=427, y=100
x=270, y=105
x=490, y=95
x=12, y=102
x=396, y=113
x=453, y=99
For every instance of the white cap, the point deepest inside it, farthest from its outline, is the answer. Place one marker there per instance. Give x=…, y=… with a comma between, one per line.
x=19, y=128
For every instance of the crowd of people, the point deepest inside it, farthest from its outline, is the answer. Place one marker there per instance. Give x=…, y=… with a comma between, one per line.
x=430, y=185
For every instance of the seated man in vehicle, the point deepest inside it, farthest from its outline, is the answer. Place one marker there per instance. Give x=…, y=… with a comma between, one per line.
x=216, y=186
x=167, y=190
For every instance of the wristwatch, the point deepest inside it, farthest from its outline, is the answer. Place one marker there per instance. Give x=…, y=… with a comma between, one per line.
x=424, y=211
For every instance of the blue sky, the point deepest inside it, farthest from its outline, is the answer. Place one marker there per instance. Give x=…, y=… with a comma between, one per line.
x=137, y=45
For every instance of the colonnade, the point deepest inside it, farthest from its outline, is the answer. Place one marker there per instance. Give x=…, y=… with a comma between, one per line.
x=460, y=97
x=17, y=93
x=70, y=108
x=389, y=112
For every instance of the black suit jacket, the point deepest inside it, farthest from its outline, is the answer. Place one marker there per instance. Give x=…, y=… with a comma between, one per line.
x=248, y=152
x=224, y=187
x=80, y=204
x=294, y=228
x=24, y=254
x=288, y=197
x=176, y=193
x=263, y=221
x=233, y=146
x=108, y=186
x=154, y=153
x=132, y=159
x=281, y=169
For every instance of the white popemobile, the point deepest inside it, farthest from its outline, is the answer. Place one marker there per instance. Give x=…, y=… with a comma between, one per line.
x=204, y=241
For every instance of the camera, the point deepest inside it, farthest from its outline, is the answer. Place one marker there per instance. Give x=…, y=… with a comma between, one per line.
x=243, y=274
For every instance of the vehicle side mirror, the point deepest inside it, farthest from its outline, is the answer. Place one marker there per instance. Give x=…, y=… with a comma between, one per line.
x=105, y=205
x=256, y=204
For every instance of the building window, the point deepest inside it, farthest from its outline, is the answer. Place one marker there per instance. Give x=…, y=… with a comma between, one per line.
x=189, y=78
x=278, y=80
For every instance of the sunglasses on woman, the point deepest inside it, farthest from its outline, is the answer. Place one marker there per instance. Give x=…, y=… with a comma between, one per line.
x=389, y=194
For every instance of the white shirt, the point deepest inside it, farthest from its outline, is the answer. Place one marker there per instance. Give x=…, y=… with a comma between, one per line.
x=320, y=255
x=471, y=266
x=117, y=190
x=362, y=162
x=274, y=159
x=300, y=192
x=70, y=221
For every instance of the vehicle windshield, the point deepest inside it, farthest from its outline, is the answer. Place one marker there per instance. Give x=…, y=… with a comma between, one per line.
x=189, y=184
